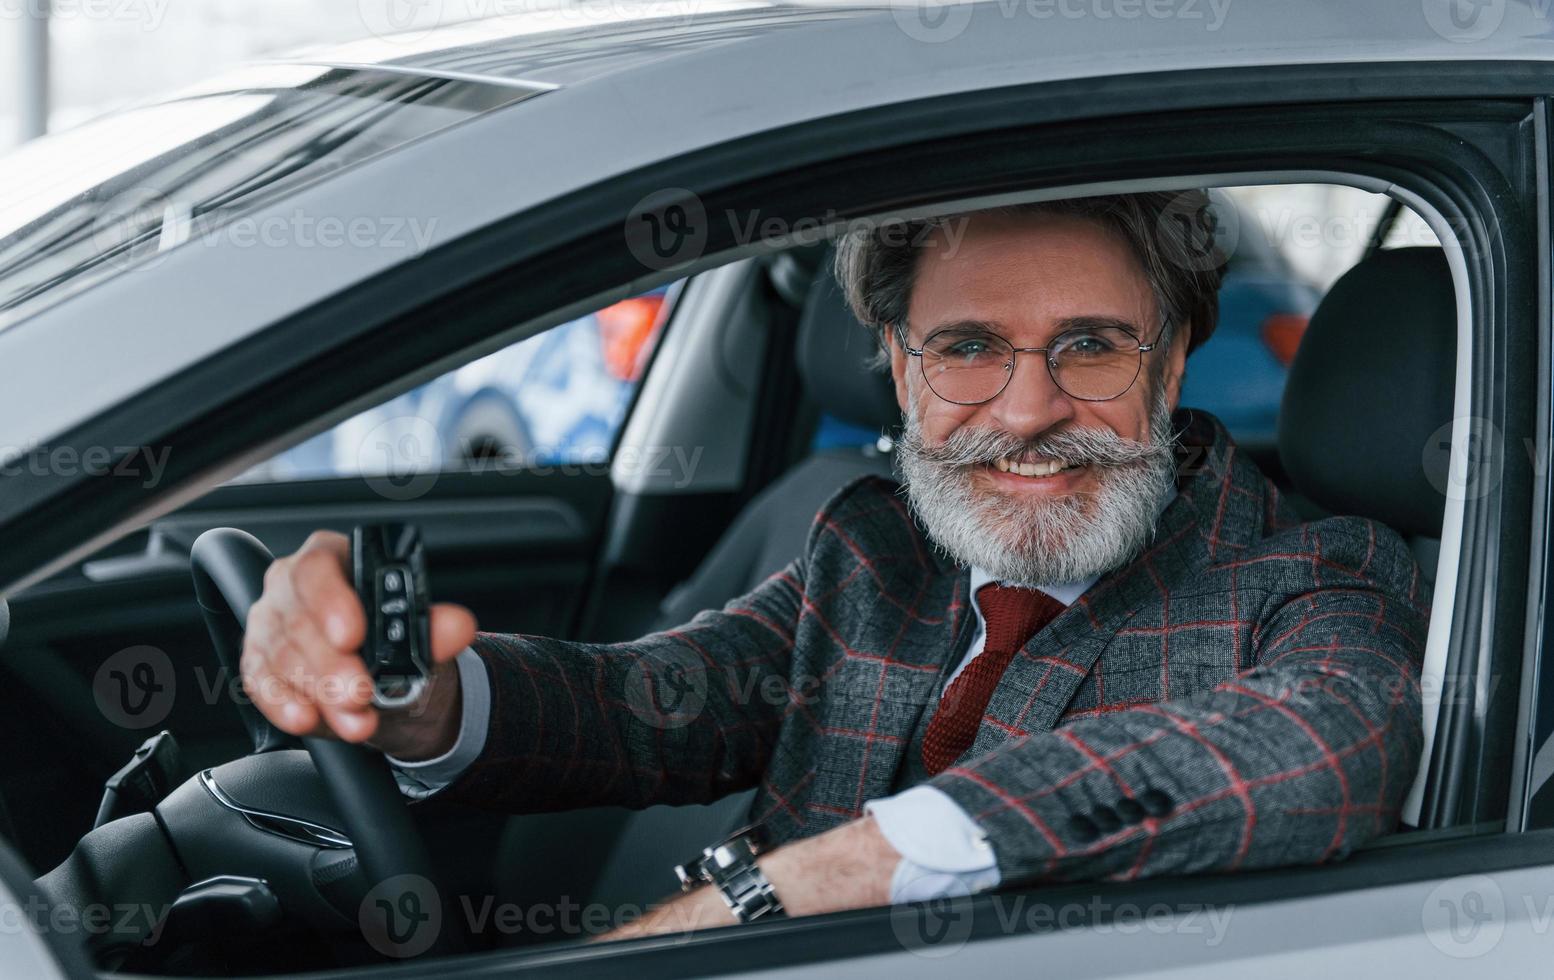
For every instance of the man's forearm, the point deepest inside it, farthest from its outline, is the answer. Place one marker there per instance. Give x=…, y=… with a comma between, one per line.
x=849, y=867
x=676, y=717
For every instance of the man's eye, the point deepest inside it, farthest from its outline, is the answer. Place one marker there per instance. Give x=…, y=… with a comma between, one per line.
x=968, y=348
x=1088, y=345
x=973, y=348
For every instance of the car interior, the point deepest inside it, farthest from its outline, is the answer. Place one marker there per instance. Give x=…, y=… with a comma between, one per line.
x=598, y=555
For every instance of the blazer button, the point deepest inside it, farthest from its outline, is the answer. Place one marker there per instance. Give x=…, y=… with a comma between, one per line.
x=1106, y=819
x=1156, y=803
x=1130, y=810
x=1083, y=828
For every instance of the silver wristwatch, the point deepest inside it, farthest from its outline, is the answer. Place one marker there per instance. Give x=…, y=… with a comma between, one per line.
x=729, y=866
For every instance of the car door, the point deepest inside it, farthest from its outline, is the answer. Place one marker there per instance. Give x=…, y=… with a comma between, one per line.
x=503, y=463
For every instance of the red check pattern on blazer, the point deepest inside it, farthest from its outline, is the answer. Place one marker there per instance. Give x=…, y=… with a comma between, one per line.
x=1245, y=693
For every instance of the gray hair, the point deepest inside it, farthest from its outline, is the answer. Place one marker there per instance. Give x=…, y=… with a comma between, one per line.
x=1172, y=233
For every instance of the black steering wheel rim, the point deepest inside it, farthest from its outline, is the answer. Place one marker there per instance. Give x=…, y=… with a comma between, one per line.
x=228, y=567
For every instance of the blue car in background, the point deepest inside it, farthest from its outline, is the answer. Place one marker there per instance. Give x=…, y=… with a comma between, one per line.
x=555, y=398
x=1239, y=375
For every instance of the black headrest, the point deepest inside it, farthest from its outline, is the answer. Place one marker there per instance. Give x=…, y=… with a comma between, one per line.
x=1371, y=384
x=834, y=351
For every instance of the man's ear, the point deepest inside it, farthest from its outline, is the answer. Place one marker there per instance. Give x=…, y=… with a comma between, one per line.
x=898, y=367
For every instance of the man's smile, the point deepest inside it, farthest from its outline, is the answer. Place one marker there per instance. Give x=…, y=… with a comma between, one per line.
x=1040, y=474
x=1025, y=464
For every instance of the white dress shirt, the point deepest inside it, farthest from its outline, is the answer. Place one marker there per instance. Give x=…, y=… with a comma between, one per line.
x=943, y=851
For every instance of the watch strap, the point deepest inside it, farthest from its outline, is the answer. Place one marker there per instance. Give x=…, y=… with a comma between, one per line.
x=730, y=867
x=748, y=893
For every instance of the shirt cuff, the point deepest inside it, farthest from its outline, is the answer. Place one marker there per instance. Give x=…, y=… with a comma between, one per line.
x=944, y=852
x=419, y=780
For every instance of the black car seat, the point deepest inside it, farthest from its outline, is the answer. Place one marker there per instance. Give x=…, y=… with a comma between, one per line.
x=1364, y=423
x=833, y=352
x=1371, y=385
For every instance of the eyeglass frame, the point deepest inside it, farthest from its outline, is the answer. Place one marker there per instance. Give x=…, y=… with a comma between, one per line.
x=1143, y=349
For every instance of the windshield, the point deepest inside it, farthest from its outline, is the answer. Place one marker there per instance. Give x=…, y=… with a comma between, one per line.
x=88, y=203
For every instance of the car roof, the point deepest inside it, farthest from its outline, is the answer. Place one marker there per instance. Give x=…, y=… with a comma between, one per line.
x=630, y=85
x=575, y=42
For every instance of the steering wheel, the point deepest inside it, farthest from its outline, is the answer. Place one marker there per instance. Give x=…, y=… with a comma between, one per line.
x=229, y=566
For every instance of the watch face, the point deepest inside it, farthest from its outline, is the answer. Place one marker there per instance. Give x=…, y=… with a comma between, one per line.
x=732, y=853
x=737, y=850
x=688, y=875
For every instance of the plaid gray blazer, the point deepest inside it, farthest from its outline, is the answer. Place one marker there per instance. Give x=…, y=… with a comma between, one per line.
x=1243, y=694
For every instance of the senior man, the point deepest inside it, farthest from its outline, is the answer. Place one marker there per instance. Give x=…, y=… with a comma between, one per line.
x=1091, y=642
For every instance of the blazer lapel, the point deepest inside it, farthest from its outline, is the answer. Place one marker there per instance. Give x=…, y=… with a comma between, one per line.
x=882, y=691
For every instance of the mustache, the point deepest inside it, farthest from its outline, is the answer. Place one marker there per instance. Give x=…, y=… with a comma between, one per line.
x=1100, y=447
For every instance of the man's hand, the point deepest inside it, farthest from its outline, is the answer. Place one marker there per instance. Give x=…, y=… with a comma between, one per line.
x=846, y=868
x=302, y=666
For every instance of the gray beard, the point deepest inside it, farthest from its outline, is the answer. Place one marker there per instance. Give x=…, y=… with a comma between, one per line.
x=1040, y=541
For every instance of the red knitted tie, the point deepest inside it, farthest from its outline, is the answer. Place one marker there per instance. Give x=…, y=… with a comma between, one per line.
x=1013, y=616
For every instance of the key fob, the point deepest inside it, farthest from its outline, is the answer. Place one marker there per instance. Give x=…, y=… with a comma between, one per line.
x=390, y=577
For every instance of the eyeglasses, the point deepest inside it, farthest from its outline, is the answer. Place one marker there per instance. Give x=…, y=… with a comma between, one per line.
x=969, y=365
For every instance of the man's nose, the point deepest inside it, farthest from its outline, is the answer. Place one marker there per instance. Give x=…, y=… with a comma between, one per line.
x=1031, y=403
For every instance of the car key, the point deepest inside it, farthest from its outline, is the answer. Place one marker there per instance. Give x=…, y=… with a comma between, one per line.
x=389, y=567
